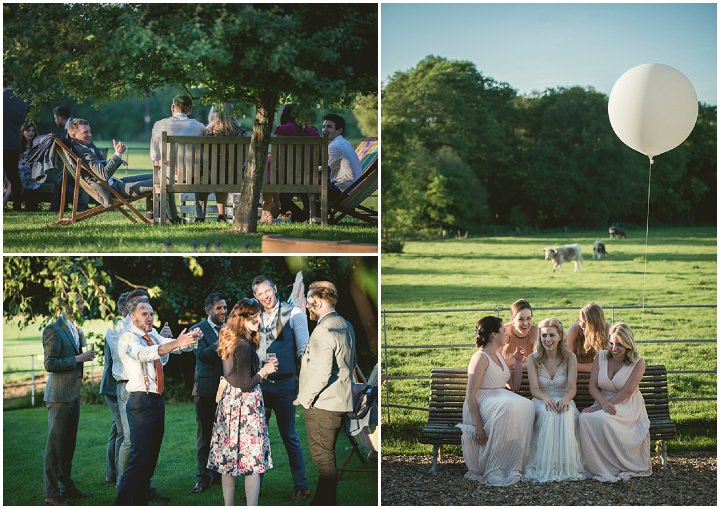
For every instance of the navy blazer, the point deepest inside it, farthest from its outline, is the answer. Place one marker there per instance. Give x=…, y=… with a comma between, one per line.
x=208, y=366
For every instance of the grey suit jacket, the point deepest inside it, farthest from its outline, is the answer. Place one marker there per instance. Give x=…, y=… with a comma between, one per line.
x=208, y=366
x=64, y=374
x=108, y=384
x=104, y=169
x=327, y=364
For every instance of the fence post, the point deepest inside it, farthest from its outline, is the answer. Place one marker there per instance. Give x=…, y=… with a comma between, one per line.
x=387, y=383
x=32, y=374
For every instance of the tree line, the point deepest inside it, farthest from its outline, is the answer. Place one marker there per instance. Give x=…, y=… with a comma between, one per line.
x=463, y=152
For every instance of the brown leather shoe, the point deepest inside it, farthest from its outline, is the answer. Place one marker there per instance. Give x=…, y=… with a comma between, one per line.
x=56, y=501
x=300, y=494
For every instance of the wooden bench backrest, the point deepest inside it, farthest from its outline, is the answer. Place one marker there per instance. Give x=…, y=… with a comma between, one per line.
x=447, y=393
x=217, y=163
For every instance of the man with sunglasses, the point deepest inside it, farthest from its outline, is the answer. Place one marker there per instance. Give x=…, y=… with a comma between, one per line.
x=326, y=384
x=283, y=332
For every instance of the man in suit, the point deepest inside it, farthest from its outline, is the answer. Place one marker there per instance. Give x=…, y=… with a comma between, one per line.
x=284, y=332
x=179, y=124
x=63, y=344
x=81, y=136
x=62, y=117
x=208, y=370
x=108, y=389
x=144, y=352
x=326, y=384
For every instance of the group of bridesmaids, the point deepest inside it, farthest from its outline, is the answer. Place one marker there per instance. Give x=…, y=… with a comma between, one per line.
x=507, y=438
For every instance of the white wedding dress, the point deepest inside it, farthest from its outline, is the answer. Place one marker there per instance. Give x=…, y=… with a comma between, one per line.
x=508, y=420
x=554, y=450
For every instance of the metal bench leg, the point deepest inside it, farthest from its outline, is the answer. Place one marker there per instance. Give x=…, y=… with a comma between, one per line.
x=661, y=452
x=433, y=467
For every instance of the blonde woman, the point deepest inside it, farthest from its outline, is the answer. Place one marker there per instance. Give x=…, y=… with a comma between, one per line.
x=615, y=430
x=588, y=335
x=220, y=123
x=497, y=423
x=519, y=333
x=554, y=453
x=240, y=443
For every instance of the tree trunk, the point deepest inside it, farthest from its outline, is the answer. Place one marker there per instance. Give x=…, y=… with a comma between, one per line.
x=245, y=209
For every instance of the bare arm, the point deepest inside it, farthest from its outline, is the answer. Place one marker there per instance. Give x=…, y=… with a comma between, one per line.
x=594, y=389
x=520, y=362
x=631, y=385
x=573, y=336
x=473, y=385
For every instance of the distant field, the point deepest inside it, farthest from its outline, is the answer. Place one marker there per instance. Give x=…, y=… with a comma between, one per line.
x=495, y=271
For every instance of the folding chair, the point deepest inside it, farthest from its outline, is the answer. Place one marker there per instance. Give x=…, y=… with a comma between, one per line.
x=350, y=203
x=72, y=160
x=360, y=420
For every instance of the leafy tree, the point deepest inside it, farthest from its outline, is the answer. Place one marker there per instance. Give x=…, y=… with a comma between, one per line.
x=256, y=54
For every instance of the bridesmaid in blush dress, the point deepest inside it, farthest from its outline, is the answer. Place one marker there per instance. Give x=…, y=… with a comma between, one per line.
x=520, y=332
x=615, y=430
x=497, y=423
x=555, y=452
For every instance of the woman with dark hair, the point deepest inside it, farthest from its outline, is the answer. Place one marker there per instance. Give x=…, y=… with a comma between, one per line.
x=28, y=133
x=240, y=443
x=497, y=423
x=555, y=452
x=615, y=430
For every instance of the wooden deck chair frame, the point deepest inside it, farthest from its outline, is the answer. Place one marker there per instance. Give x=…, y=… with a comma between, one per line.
x=72, y=160
x=339, y=208
x=355, y=446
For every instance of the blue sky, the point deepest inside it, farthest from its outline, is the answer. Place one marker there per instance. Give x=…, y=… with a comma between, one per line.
x=537, y=46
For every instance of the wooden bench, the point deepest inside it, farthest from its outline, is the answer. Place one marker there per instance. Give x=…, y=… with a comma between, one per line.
x=447, y=395
x=192, y=164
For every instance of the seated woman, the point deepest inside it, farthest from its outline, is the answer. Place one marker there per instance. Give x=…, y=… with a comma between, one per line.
x=519, y=333
x=497, y=423
x=588, y=335
x=554, y=450
x=615, y=430
x=28, y=133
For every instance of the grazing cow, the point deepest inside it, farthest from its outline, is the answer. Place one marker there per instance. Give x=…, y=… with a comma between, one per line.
x=599, y=250
x=617, y=232
x=569, y=253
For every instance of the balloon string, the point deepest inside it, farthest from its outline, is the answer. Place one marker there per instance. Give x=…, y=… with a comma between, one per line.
x=647, y=230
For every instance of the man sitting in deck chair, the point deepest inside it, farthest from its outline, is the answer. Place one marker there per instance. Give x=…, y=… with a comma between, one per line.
x=128, y=187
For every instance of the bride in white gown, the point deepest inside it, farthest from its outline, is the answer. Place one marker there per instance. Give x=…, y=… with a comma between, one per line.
x=497, y=423
x=552, y=373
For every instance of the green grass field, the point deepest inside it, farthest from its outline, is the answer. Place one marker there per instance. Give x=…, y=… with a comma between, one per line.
x=25, y=434
x=495, y=271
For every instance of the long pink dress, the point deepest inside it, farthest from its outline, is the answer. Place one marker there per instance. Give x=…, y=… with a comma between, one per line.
x=616, y=447
x=508, y=420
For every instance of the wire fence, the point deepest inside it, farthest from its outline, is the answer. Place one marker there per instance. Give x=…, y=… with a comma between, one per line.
x=387, y=393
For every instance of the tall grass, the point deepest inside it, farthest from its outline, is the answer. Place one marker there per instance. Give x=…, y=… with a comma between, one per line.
x=495, y=271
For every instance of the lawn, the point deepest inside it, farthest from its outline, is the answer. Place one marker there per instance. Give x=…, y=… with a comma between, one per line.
x=495, y=271
x=25, y=433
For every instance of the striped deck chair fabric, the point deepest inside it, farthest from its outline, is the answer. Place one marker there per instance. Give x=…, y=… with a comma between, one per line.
x=350, y=203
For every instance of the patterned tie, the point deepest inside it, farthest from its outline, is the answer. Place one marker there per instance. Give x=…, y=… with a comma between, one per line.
x=158, y=368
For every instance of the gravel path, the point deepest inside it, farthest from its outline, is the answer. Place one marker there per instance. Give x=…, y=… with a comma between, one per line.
x=689, y=479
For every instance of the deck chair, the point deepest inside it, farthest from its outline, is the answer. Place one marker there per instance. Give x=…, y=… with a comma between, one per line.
x=349, y=204
x=360, y=425
x=74, y=166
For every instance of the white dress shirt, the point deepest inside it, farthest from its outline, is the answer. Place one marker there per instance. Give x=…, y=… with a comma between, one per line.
x=134, y=351
x=112, y=337
x=345, y=167
x=298, y=323
x=177, y=125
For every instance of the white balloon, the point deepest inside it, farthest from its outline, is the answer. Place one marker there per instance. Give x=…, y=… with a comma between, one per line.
x=653, y=108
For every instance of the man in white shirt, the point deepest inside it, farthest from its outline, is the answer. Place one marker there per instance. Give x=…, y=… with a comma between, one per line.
x=343, y=161
x=179, y=124
x=284, y=332
x=143, y=353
